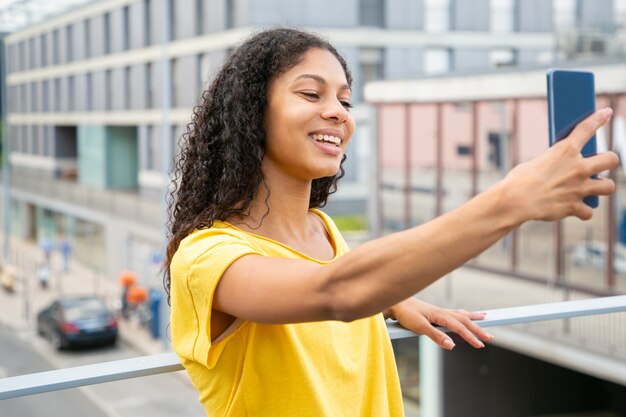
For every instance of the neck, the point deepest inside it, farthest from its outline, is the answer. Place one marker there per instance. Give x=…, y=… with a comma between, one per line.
x=281, y=205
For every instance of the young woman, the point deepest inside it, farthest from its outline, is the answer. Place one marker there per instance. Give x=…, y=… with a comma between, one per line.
x=271, y=315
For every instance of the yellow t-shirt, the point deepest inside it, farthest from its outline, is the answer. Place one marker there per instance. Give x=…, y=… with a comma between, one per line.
x=317, y=369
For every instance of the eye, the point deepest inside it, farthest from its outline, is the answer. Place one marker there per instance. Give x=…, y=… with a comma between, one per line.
x=346, y=104
x=309, y=95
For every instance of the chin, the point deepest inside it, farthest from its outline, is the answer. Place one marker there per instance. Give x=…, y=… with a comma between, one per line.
x=327, y=173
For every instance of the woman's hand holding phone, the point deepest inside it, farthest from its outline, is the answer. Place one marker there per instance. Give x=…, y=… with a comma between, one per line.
x=552, y=186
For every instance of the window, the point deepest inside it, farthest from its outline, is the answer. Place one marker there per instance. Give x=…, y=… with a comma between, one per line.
x=372, y=13
x=69, y=50
x=47, y=151
x=172, y=16
x=126, y=88
x=200, y=72
x=464, y=150
x=57, y=95
x=13, y=58
x=108, y=87
x=494, y=150
x=107, y=33
x=45, y=94
x=71, y=92
x=14, y=99
x=22, y=55
x=89, y=91
x=150, y=154
x=32, y=53
x=23, y=98
x=34, y=140
x=175, y=86
x=87, y=38
x=199, y=17
x=55, y=47
x=173, y=147
x=149, y=92
x=34, y=103
x=126, y=28
x=43, y=50
x=230, y=14
x=146, y=22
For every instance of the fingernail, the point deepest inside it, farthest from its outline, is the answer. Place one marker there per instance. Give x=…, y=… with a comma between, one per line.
x=448, y=344
x=607, y=112
x=481, y=344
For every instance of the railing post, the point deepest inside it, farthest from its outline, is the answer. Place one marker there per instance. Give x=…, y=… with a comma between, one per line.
x=475, y=141
x=439, y=161
x=610, y=207
x=407, y=166
x=431, y=378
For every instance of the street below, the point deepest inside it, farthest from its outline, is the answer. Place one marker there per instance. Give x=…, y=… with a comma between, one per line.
x=23, y=352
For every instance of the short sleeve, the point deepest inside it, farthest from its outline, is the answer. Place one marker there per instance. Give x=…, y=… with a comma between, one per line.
x=196, y=270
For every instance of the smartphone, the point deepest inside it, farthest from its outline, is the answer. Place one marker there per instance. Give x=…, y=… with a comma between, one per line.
x=571, y=99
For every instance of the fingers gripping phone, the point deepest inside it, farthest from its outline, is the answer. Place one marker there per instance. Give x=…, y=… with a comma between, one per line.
x=571, y=99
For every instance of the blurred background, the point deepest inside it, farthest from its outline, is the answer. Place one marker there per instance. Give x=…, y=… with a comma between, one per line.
x=449, y=95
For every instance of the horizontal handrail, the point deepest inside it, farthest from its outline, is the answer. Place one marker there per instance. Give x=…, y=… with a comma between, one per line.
x=59, y=379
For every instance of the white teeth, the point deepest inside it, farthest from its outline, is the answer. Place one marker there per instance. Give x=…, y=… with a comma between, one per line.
x=327, y=138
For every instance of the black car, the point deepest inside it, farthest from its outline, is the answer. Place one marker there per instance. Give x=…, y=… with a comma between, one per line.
x=75, y=321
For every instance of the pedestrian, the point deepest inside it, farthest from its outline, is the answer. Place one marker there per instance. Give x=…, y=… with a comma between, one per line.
x=271, y=315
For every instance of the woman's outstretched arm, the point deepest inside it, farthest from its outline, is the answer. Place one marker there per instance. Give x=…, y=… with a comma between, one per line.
x=385, y=271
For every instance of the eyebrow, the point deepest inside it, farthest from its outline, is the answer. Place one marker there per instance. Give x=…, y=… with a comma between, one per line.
x=321, y=80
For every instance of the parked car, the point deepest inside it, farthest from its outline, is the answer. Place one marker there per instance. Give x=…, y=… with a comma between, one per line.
x=594, y=254
x=72, y=321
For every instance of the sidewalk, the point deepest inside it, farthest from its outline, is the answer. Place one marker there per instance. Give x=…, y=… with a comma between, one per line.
x=19, y=310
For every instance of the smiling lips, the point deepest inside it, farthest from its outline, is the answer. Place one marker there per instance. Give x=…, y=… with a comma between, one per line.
x=327, y=138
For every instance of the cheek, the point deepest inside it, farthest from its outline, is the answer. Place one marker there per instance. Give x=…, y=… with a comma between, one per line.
x=351, y=128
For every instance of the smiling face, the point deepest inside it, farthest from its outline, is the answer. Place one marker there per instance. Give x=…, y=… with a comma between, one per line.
x=308, y=123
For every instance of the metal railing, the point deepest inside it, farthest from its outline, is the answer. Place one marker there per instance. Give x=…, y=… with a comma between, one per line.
x=41, y=382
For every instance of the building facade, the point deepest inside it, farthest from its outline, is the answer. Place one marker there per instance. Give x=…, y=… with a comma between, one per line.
x=98, y=96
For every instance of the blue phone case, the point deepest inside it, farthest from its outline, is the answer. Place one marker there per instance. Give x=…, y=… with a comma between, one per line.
x=571, y=99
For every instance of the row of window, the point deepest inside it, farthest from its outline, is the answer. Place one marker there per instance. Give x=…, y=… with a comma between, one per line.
x=139, y=25
x=139, y=86
x=131, y=87
x=133, y=26
x=39, y=140
x=33, y=140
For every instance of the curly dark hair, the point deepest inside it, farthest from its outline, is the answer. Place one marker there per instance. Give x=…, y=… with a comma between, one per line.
x=219, y=170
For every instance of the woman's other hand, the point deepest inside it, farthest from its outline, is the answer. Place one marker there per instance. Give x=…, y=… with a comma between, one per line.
x=421, y=317
x=552, y=186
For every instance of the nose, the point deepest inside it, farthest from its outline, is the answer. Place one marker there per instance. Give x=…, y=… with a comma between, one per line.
x=335, y=111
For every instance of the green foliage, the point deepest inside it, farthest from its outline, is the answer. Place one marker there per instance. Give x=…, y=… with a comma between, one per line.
x=351, y=223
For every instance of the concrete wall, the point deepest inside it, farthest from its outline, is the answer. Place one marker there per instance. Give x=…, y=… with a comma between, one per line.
x=457, y=131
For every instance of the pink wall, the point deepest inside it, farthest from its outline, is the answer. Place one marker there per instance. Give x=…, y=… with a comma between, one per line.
x=532, y=131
